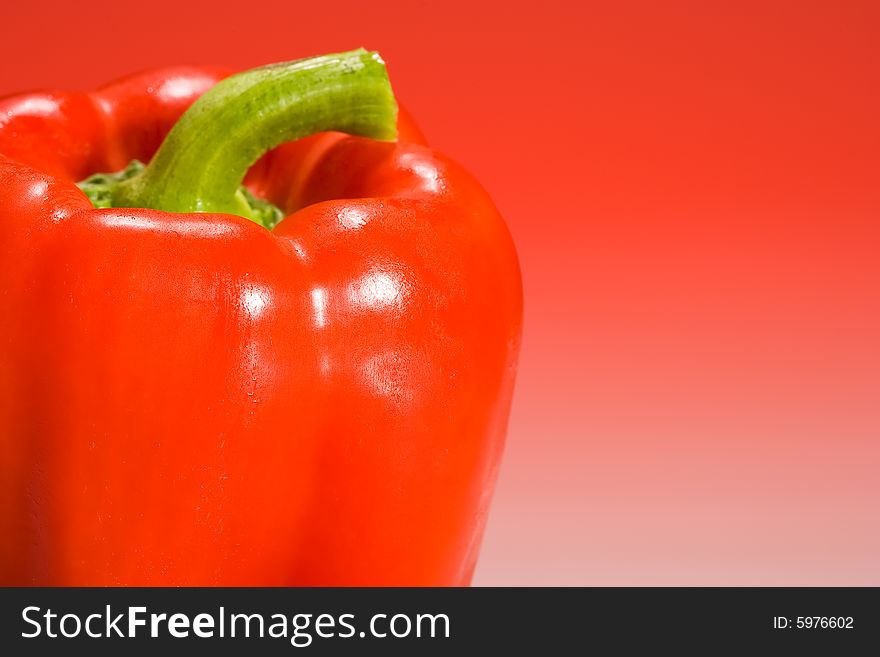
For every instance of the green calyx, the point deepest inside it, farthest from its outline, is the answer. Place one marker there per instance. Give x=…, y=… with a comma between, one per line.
x=203, y=160
x=99, y=189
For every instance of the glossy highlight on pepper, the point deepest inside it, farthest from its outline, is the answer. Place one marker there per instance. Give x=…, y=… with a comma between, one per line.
x=188, y=398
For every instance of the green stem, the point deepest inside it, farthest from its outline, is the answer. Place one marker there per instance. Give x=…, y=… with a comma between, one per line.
x=200, y=165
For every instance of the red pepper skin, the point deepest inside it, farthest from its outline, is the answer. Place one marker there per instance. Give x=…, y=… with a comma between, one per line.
x=194, y=400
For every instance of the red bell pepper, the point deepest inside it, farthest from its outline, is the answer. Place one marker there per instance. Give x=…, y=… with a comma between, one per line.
x=191, y=394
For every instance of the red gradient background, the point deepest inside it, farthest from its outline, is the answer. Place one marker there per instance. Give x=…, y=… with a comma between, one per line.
x=694, y=189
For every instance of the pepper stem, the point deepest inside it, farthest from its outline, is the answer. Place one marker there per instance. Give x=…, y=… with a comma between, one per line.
x=203, y=160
